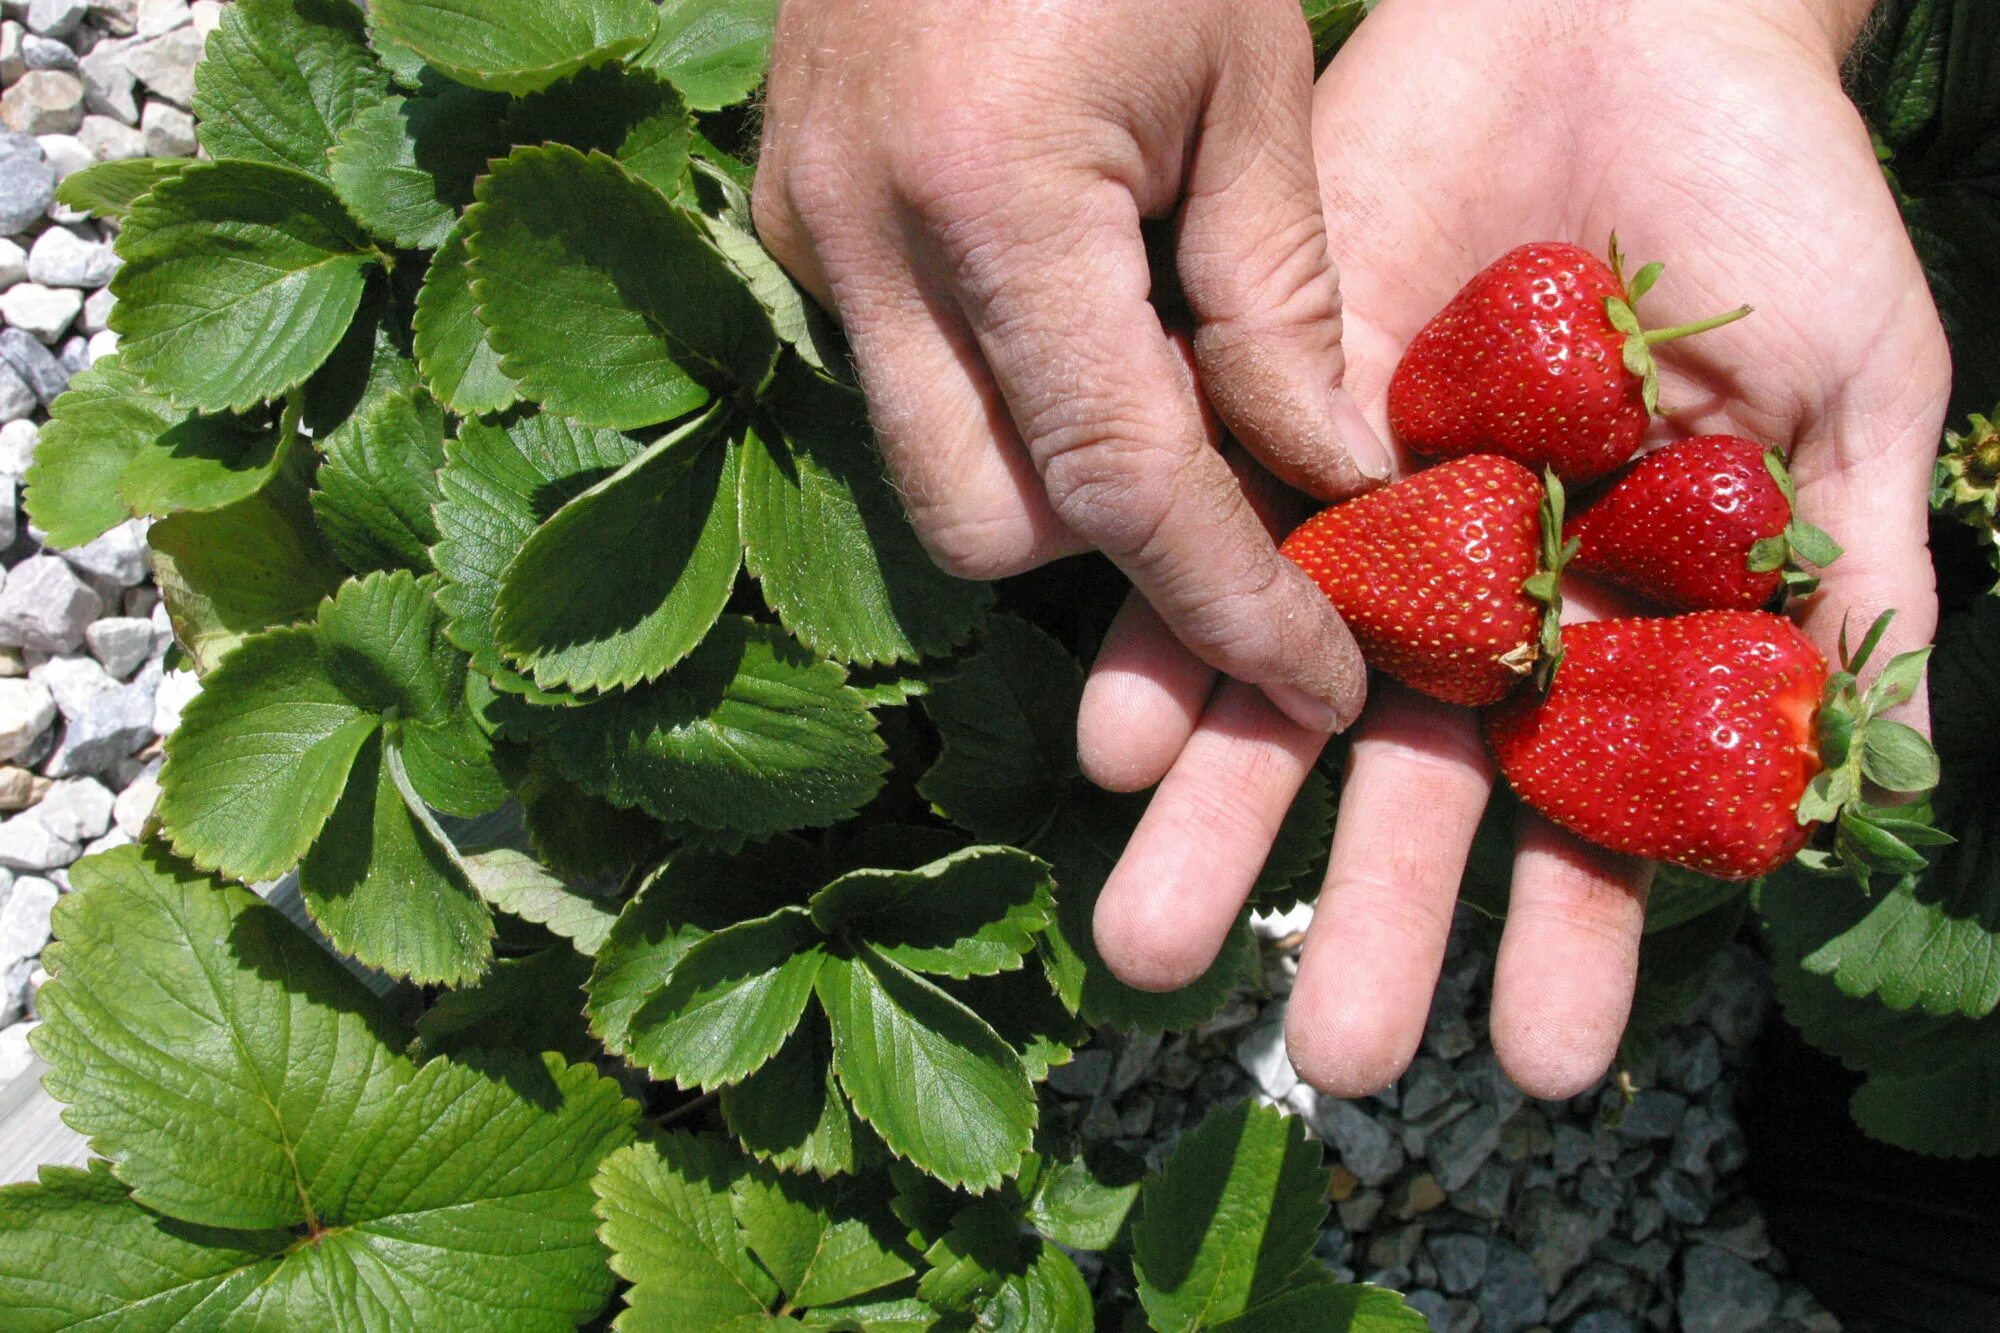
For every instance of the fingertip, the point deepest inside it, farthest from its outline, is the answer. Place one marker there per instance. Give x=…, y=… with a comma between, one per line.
x=1341, y=1046
x=1129, y=730
x=1145, y=945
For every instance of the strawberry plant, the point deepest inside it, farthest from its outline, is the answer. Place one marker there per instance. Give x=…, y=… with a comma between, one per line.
x=699, y=883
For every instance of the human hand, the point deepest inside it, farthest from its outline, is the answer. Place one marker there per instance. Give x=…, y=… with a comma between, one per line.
x=965, y=184
x=1715, y=137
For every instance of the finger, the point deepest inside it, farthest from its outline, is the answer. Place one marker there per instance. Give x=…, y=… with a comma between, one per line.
x=1254, y=264
x=1191, y=863
x=1416, y=784
x=971, y=492
x=1141, y=703
x=1058, y=304
x=1569, y=959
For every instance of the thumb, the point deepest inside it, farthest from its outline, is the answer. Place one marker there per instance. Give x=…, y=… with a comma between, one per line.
x=1259, y=279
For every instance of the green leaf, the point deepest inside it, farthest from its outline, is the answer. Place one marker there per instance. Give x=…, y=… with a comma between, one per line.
x=974, y=913
x=459, y=364
x=668, y=1220
x=516, y=884
x=382, y=640
x=580, y=835
x=451, y=763
x=497, y=487
x=715, y=51
x=205, y=463
x=108, y=188
x=1082, y=846
x=260, y=758
x=666, y=521
x=1897, y=757
x=603, y=299
x=691, y=896
x=226, y=575
x=238, y=1077
x=730, y=1001
x=95, y=429
x=405, y=166
x=1331, y=1307
x=387, y=890
x=983, y=1247
x=939, y=1085
x=1084, y=1203
x=827, y=538
x=825, y=1241
x=1950, y=1112
x=532, y=1003
x=797, y=320
x=1024, y=1008
x=1008, y=720
x=280, y=79
x=1674, y=964
x=750, y=732
x=1050, y=1294
x=621, y=111
x=516, y=46
x=1230, y=1220
x=791, y=1112
x=239, y=280
x=1296, y=866
x=378, y=483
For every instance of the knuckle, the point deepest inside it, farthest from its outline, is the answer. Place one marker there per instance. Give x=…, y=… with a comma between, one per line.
x=1113, y=488
x=981, y=547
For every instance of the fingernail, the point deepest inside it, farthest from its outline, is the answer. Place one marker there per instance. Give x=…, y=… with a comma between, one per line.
x=1312, y=714
x=1372, y=458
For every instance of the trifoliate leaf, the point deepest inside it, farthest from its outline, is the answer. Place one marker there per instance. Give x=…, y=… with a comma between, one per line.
x=581, y=835
x=666, y=523
x=725, y=212
x=95, y=430
x=1008, y=720
x=387, y=890
x=237, y=1076
x=516, y=46
x=982, y=1247
x=623, y=112
x=692, y=895
x=228, y=574
x=382, y=640
x=205, y=463
x=929, y=1075
x=825, y=1241
x=603, y=299
x=451, y=763
x=1230, y=1220
x=1082, y=846
x=715, y=51
x=730, y=1001
x=1025, y=1010
x=750, y=732
x=239, y=280
x=260, y=758
x=498, y=486
x=1052, y=1293
x=1330, y=1307
x=1950, y=1112
x=976, y=912
x=668, y=1220
x=828, y=540
x=378, y=484
x=107, y=189
x=531, y=1003
x=405, y=166
x=516, y=884
x=1296, y=867
x=460, y=366
x=280, y=79
x=791, y=1112
x=370, y=363
x=1084, y=1203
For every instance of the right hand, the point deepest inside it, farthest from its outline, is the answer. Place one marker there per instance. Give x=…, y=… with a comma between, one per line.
x=964, y=186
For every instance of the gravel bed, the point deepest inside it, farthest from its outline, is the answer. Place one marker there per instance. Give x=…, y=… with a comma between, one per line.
x=84, y=694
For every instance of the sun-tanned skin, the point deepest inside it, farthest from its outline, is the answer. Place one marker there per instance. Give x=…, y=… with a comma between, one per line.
x=964, y=184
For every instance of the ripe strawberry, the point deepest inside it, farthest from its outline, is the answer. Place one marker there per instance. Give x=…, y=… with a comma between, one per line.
x=1541, y=358
x=1705, y=524
x=1433, y=574
x=1717, y=741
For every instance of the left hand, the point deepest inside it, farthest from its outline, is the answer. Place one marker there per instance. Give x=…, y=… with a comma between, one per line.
x=1715, y=136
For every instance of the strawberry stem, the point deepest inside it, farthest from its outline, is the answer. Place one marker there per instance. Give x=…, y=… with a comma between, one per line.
x=1654, y=337
x=1545, y=586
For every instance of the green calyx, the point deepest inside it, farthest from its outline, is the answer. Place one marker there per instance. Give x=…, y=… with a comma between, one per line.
x=1545, y=586
x=1799, y=545
x=1860, y=749
x=1967, y=481
x=1639, y=340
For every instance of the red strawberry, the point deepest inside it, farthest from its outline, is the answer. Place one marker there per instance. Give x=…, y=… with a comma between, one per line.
x=1705, y=524
x=1541, y=358
x=1432, y=574
x=1717, y=741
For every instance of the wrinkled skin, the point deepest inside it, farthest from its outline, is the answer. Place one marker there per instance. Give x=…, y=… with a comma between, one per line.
x=1714, y=136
